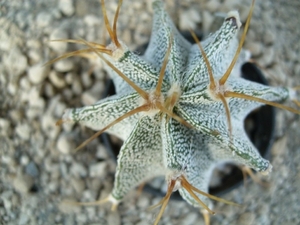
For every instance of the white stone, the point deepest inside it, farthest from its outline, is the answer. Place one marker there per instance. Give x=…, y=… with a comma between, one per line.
x=207, y=20
x=12, y=88
x=78, y=170
x=49, y=127
x=98, y=169
x=212, y=5
x=86, y=80
x=189, y=19
x=68, y=94
x=58, y=46
x=23, y=131
x=78, y=185
x=101, y=152
x=4, y=41
x=52, y=186
x=64, y=65
x=67, y=207
x=69, y=77
x=190, y=219
x=114, y=218
x=15, y=62
x=76, y=86
x=25, y=84
x=34, y=55
x=23, y=183
x=59, y=109
x=56, y=80
x=49, y=89
x=24, y=160
x=97, y=89
x=92, y=20
x=37, y=73
x=89, y=98
x=6, y=198
x=43, y=19
x=269, y=37
x=4, y=125
x=34, y=98
x=66, y=7
x=267, y=57
x=65, y=144
x=143, y=201
x=255, y=48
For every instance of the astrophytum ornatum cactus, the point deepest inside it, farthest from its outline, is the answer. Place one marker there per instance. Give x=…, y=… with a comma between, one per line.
x=179, y=108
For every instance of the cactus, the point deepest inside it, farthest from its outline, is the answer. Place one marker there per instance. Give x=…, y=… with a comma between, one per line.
x=179, y=108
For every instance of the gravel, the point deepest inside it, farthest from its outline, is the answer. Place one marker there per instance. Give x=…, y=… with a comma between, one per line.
x=40, y=175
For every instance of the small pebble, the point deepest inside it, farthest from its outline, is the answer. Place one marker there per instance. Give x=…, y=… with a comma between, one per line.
x=255, y=48
x=25, y=84
x=23, y=183
x=23, y=131
x=92, y=20
x=43, y=19
x=37, y=73
x=268, y=57
x=69, y=77
x=190, y=219
x=68, y=94
x=101, y=152
x=31, y=169
x=66, y=7
x=49, y=89
x=12, y=88
x=15, y=62
x=78, y=170
x=58, y=46
x=207, y=20
x=77, y=87
x=98, y=169
x=78, y=185
x=34, y=56
x=189, y=19
x=65, y=143
x=269, y=37
x=67, y=206
x=212, y=5
x=4, y=125
x=86, y=80
x=246, y=219
x=64, y=65
x=24, y=160
x=114, y=218
x=49, y=127
x=143, y=201
x=88, y=98
x=57, y=80
x=6, y=198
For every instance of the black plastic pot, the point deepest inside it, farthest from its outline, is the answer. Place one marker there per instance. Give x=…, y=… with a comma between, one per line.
x=261, y=133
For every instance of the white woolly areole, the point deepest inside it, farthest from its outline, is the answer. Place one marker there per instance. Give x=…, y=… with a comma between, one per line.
x=113, y=200
x=235, y=14
x=267, y=171
x=117, y=53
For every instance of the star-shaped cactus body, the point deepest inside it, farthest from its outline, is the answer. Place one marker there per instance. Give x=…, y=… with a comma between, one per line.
x=177, y=111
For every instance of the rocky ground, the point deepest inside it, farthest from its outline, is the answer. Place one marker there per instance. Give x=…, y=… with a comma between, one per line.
x=38, y=170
